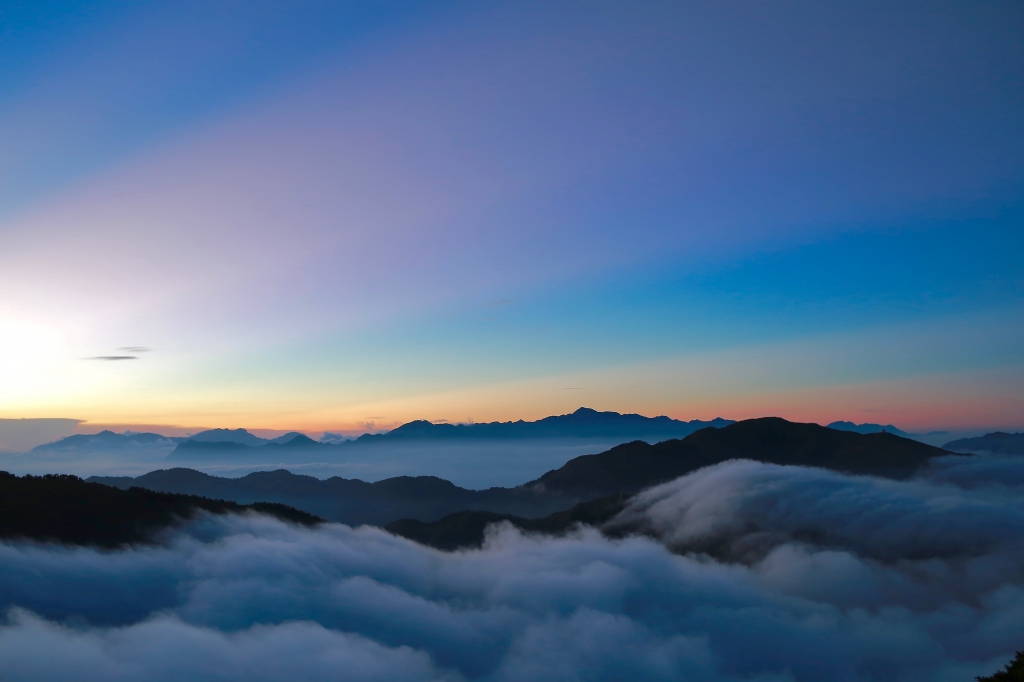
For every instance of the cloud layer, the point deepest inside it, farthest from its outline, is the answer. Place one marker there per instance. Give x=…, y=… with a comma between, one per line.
x=746, y=572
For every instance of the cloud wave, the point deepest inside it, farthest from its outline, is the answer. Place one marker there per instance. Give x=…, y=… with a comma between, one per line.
x=853, y=578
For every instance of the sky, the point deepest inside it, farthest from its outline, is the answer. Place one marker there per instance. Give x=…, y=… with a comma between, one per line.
x=345, y=216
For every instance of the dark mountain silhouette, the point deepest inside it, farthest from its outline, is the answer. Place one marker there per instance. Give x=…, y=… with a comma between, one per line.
x=288, y=437
x=634, y=466
x=294, y=440
x=468, y=528
x=290, y=446
x=625, y=469
x=105, y=440
x=63, y=508
x=997, y=442
x=868, y=428
x=584, y=423
x=202, y=444
x=349, y=501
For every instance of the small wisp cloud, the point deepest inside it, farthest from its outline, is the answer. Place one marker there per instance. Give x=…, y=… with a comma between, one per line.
x=124, y=353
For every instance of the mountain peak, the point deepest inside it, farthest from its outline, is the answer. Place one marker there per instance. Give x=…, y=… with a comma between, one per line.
x=867, y=428
x=240, y=436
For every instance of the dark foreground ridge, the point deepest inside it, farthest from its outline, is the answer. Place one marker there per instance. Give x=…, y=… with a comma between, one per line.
x=634, y=466
x=67, y=509
x=625, y=469
x=351, y=501
x=467, y=529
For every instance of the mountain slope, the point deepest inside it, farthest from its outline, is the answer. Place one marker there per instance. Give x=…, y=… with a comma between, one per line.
x=634, y=466
x=868, y=428
x=467, y=529
x=350, y=501
x=68, y=509
x=239, y=436
x=105, y=440
x=997, y=442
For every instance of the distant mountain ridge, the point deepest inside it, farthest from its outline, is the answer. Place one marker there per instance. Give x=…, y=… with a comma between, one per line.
x=213, y=438
x=868, y=428
x=997, y=442
x=105, y=440
x=237, y=436
x=582, y=424
x=241, y=437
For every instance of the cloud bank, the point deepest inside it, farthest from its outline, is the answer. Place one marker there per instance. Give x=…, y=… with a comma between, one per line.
x=744, y=571
x=19, y=435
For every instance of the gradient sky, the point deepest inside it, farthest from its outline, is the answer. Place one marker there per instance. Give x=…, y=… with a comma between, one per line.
x=323, y=215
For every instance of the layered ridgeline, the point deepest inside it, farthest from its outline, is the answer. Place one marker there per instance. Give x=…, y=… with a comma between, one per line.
x=869, y=428
x=583, y=424
x=61, y=508
x=997, y=443
x=128, y=442
x=107, y=441
x=622, y=470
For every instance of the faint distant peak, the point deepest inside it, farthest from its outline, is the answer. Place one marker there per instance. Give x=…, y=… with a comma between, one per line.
x=289, y=437
x=240, y=436
x=997, y=442
x=868, y=428
x=108, y=440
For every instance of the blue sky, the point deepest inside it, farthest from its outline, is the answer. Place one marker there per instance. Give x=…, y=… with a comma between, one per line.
x=316, y=214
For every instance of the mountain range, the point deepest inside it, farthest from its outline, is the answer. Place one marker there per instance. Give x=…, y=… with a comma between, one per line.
x=584, y=423
x=622, y=470
x=106, y=441
x=868, y=428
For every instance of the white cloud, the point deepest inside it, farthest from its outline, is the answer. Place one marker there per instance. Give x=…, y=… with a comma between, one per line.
x=854, y=579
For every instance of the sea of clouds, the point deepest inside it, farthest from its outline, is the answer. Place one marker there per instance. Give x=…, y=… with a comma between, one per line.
x=742, y=571
x=508, y=462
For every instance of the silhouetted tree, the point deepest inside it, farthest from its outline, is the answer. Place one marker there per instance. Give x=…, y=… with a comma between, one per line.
x=1013, y=672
